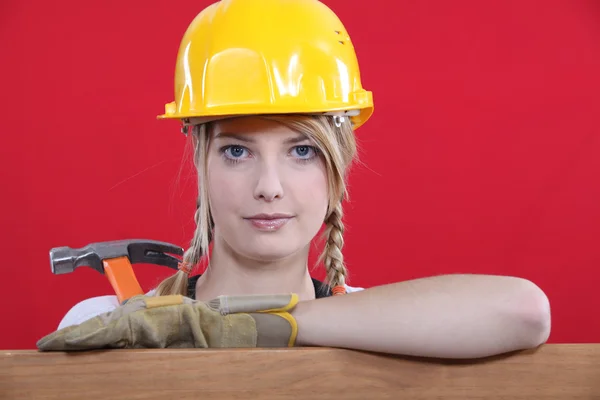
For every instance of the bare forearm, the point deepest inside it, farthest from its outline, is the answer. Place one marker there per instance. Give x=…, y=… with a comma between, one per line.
x=452, y=316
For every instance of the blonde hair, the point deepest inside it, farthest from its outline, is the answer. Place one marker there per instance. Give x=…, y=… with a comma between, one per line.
x=337, y=145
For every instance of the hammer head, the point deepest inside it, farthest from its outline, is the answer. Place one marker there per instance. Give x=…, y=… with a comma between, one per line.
x=64, y=260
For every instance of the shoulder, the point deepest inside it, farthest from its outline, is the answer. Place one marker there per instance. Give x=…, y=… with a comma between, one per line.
x=90, y=308
x=323, y=290
x=350, y=289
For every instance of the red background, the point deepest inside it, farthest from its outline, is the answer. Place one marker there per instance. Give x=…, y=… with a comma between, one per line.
x=482, y=155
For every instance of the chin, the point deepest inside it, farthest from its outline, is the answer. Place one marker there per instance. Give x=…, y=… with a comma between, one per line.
x=269, y=249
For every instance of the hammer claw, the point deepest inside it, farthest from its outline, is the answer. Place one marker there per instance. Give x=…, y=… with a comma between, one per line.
x=153, y=252
x=166, y=260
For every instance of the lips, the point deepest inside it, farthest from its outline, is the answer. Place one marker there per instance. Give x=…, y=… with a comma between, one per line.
x=269, y=222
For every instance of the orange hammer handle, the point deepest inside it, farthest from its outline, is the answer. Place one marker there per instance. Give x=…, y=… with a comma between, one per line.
x=121, y=277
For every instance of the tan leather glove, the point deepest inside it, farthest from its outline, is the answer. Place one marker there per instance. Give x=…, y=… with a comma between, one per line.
x=180, y=322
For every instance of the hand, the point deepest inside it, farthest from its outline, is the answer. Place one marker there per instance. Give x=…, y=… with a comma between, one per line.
x=180, y=322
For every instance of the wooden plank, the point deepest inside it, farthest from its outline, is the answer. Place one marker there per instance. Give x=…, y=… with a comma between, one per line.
x=554, y=371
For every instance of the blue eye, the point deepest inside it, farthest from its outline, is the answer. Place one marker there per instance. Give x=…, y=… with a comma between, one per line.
x=305, y=152
x=234, y=151
x=234, y=154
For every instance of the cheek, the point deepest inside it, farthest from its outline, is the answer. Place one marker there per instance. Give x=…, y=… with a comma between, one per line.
x=224, y=192
x=310, y=191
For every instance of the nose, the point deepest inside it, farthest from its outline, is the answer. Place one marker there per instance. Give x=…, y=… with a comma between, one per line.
x=268, y=183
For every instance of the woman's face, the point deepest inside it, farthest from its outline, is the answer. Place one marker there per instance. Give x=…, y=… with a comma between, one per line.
x=267, y=187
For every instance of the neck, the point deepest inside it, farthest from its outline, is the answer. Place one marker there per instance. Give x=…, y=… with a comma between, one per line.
x=229, y=273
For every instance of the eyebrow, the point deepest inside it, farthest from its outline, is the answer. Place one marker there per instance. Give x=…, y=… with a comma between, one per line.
x=247, y=139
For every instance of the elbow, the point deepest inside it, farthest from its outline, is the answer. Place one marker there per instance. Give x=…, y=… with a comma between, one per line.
x=532, y=314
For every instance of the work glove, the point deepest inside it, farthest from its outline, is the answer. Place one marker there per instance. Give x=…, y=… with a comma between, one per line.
x=180, y=322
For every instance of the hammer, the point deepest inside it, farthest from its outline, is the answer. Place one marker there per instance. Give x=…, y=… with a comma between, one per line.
x=114, y=259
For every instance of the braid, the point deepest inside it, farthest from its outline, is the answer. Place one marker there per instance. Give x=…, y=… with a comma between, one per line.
x=178, y=283
x=332, y=254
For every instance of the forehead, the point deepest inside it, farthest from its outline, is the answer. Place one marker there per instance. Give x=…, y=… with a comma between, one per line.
x=251, y=126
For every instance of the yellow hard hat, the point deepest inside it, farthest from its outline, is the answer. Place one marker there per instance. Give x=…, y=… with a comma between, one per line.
x=253, y=57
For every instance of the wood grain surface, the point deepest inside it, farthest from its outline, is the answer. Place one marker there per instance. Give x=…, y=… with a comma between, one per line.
x=554, y=371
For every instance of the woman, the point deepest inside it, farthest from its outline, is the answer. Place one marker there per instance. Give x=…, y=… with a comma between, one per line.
x=270, y=92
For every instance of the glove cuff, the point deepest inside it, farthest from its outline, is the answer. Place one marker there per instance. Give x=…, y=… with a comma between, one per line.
x=275, y=326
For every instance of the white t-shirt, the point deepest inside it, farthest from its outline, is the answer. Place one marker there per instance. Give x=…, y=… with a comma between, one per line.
x=92, y=307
